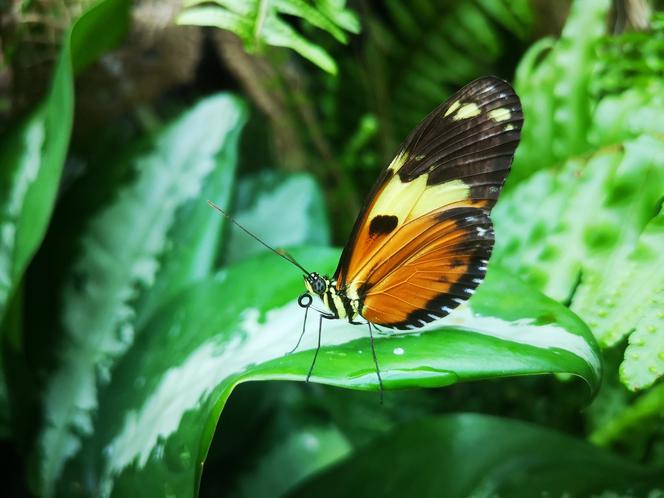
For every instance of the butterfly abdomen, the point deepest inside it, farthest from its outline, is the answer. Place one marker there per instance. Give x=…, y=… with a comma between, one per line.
x=340, y=305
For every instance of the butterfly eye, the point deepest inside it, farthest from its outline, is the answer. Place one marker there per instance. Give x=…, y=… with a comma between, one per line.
x=317, y=283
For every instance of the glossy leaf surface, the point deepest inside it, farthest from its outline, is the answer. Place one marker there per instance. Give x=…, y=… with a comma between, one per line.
x=128, y=262
x=157, y=417
x=459, y=456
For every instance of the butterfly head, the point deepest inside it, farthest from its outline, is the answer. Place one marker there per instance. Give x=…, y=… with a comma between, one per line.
x=315, y=284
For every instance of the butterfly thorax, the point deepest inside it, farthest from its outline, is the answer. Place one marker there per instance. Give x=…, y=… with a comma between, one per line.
x=335, y=299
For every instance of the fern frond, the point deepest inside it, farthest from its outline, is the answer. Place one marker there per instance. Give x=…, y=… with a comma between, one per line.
x=586, y=234
x=259, y=23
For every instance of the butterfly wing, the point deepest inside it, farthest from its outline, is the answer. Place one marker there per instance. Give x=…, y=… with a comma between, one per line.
x=421, y=242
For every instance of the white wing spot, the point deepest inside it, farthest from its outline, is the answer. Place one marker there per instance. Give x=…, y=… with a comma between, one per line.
x=481, y=231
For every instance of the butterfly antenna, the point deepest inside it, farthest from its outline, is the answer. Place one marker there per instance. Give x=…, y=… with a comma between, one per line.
x=278, y=252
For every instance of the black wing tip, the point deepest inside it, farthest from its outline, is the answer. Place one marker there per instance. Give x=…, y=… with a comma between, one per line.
x=490, y=80
x=490, y=85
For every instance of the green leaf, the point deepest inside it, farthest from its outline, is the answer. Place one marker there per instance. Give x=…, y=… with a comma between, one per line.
x=32, y=153
x=580, y=220
x=157, y=416
x=195, y=236
x=460, y=456
x=604, y=206
x=553, y=81
x=302, y=454
x=283, y=210
x=419, y=53
x=257, y=22
x=119, y=257
x=642, y=290
x=636, y=111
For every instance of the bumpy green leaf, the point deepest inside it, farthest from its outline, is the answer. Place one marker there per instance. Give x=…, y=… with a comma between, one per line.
x=642, y=285
x=581, y=219
x=553, y=81
x=564, y=231
x=284, y=210
x=257, y=22
x=634, y=112
x=33, y=153
x=156, y=418
x=119, y=256
x=460, y=456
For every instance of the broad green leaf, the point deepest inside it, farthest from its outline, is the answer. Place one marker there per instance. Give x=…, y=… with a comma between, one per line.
x=283, y=210
x=258, y=22
x=195, y=236
x=157, y=416
x=119, y=257
x=468, y=455
x=32, y=153
x=302, y=454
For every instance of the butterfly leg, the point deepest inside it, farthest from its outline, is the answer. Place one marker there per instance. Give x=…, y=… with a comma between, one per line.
x=304, y=301
x=320, y=329
x=375, y=359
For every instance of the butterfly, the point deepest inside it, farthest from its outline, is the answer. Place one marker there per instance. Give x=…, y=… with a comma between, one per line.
x=421, y=243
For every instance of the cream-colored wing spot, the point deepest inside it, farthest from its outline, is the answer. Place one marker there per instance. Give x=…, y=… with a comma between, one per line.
x=508, y=127
x=435, y=196
x=398, y=161
x=452, y=109
x=408, y=200
x=398, y=198
x=466, y=111
x=500, y=114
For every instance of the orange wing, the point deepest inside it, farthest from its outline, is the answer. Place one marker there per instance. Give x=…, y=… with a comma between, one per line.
x=441, y=259
x=420, y=245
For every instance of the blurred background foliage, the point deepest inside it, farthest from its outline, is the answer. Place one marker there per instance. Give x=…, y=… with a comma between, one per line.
x=117, y=121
